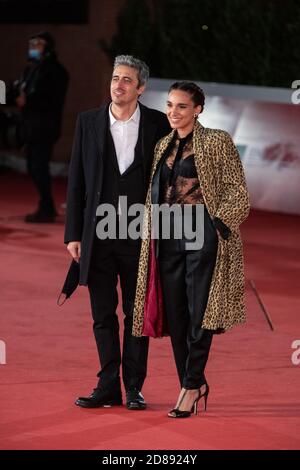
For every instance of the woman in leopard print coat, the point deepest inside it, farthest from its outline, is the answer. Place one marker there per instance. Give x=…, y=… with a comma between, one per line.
x=221, y=187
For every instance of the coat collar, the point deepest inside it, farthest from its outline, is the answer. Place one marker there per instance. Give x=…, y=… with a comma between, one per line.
x=147, y=131
x=101, y=120
x=100, y=126
x=135, y=116
x=198, y=145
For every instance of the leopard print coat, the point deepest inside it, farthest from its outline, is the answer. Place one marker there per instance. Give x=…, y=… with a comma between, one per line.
x=225, y=194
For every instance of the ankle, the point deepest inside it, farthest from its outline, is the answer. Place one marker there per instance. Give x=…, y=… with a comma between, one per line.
x=204, y=389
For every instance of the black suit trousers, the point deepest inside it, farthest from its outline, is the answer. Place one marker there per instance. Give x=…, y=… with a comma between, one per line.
x=111, y=259
x=185, y=277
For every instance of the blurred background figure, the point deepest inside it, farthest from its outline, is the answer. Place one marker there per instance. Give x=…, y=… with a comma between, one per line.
x=41, y=95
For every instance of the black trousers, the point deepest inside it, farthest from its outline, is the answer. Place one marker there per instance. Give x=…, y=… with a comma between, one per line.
x=110, y=260
x=38, y=155
x=186, y=277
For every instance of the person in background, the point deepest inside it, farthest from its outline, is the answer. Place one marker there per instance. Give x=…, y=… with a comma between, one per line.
x=42, y=90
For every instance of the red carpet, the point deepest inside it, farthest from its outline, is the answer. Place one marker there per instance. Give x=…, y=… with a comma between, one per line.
x=51, y=356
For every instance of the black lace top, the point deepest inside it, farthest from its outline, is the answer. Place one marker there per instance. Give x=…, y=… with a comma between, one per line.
x=179, y=179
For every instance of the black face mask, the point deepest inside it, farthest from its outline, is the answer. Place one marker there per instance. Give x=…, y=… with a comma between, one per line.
x=71, y=282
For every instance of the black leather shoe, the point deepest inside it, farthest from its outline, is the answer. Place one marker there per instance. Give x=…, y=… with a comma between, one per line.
x=135, y=400
x=100, y=398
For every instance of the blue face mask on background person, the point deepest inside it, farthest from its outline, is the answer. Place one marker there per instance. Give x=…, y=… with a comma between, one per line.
x=34, y=54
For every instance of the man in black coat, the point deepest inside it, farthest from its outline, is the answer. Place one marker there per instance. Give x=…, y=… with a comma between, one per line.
x=42, y=92
x=112, y=156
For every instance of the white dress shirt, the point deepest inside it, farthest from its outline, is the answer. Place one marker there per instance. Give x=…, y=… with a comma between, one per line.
x=125, y=136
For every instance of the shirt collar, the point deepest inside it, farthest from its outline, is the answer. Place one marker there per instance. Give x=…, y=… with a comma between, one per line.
x=135, y=117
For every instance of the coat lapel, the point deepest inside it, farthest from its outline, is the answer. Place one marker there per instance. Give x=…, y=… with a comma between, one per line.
x=147, y=132
x=198, y=144
x=110, y=145
x=144, y=145
x=100, y=125
x=202, y=163
x=160, y=151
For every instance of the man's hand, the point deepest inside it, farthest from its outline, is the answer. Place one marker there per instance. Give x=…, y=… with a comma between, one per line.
x=74, y=248
x=21, y=100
